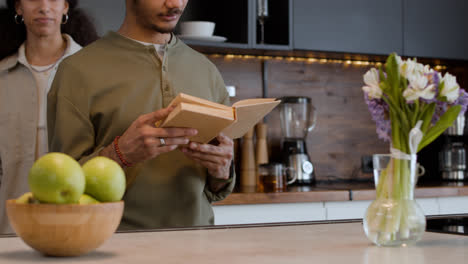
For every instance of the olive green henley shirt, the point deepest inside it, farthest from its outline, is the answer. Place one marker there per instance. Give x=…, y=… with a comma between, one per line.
x=96, y=95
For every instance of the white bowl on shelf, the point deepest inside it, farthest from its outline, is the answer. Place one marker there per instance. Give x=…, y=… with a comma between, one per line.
x=197, y=28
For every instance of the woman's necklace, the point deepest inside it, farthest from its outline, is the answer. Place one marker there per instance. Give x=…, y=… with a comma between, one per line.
x=52, y=65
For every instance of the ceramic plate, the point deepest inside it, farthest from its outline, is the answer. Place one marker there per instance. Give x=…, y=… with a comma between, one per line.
x=203, y=38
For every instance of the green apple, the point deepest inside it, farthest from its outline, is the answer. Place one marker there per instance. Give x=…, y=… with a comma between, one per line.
x=27, y=198
x=105, y=179
x=87, y=199
x=56, y=178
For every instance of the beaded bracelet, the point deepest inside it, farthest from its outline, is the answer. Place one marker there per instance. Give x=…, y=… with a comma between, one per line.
x=119, y=153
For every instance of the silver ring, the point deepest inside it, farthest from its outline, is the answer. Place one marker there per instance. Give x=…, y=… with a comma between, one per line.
x=162, y=142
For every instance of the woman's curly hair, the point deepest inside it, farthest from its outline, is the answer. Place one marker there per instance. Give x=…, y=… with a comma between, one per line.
x=79, y=27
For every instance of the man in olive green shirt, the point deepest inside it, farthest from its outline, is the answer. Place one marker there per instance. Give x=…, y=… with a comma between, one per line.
x=106, y=99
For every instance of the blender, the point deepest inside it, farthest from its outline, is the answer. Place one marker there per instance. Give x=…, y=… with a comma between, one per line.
x=298, y=118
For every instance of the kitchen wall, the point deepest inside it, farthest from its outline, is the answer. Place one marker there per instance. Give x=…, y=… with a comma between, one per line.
x=344, y=131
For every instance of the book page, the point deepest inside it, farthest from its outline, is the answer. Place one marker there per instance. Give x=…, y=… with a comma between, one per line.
x=208, y=121
x=247, y=116
x=185, y=98
x=253, y=101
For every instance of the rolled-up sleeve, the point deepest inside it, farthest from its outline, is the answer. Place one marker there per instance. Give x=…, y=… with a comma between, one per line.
x=224, y=192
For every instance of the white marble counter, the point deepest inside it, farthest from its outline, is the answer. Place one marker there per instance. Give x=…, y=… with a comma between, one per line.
x=323, y=243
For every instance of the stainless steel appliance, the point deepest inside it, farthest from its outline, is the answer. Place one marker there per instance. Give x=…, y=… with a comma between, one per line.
x=452, y=157
x=451, y=224
x=262, y=15
x=298, y=118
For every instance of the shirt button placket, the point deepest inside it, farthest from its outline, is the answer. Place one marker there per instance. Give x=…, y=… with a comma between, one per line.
x=167, y=95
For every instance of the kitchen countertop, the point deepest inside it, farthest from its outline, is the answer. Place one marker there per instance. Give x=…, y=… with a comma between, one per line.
x=291, y=243
x=339, y=191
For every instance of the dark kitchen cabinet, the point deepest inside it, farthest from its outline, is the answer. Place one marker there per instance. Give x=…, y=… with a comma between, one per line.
x=278, y=25
x=436, y=29
x=358, y=26
x=419, y=28
x=232, y=18
x=237, y=21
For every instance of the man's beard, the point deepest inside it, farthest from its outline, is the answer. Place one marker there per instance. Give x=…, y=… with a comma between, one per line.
x=144, y=18
x=160, y=29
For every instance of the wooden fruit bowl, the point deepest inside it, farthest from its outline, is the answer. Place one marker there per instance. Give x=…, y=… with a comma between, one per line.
x=64, y=230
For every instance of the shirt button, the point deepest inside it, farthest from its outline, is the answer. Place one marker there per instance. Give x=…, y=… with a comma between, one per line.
x=166, y=88
x=164, y=68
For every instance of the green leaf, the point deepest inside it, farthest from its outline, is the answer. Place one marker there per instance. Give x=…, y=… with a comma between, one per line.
x=384, y=87
x=395, y=131
x=445, y=121
x=393, y=75
x=381, y=74
x=426, y=117
x=441, y=89
x=399, y=114
x=415, y=113
x=383, y=81
x=404, y=84
x=408, y=113
x=402, y=88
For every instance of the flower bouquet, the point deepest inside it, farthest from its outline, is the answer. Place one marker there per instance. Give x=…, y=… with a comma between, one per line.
x=412, y=104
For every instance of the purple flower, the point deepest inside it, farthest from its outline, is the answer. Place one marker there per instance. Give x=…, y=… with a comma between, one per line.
x=462, y=100
x=435, y=79
x=440, y=109
x=379, y=109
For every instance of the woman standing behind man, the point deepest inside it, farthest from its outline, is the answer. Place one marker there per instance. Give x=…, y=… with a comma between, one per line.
x=36, y=35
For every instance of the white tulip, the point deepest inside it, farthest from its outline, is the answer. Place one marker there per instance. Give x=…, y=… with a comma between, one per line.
x=427, y=70
x=411, y=67
x=399, y=60
x=451, y=88
x=372, y=88
x=407, y=68
x=418, y=88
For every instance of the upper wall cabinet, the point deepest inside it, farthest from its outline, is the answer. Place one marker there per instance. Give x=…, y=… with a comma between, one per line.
x=277, y=24
x=237, y=23
x=357, y=26
x=231, y=18
x=436, y=29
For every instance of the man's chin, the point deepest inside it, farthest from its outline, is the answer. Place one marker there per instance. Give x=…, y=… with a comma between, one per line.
x=168, y=29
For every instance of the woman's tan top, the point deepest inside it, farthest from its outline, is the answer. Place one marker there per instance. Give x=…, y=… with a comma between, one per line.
x=20, y=113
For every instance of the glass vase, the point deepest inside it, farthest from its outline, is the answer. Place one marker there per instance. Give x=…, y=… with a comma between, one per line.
x=394, y=218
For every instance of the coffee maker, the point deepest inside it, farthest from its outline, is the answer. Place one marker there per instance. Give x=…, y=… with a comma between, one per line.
x=298, y=118
x=452, y=157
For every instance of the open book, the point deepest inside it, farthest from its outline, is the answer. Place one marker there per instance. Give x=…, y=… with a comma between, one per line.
x=211, y=118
